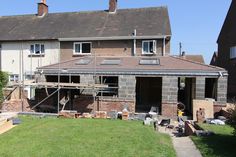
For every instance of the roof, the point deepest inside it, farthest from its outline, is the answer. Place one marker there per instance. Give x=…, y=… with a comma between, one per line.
x=169, y=65
x=195, y=58
x=147, y=22
x=214, y=58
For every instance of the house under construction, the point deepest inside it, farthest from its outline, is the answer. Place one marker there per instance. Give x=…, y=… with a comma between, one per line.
x=110, y=60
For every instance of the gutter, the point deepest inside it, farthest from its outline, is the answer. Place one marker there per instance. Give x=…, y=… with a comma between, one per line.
x=136, y=72
x=114, y=38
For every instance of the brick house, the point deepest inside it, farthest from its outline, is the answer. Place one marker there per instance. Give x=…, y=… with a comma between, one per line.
x=226, y=55
x=128, y=50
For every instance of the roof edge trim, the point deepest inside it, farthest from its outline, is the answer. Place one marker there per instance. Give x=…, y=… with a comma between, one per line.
x=114, y=38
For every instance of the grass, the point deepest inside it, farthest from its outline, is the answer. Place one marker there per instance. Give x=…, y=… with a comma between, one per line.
x=222, y=144
x=51, y=137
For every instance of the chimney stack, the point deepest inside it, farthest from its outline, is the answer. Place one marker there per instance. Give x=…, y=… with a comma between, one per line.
x=42, y=8
x=112, y=6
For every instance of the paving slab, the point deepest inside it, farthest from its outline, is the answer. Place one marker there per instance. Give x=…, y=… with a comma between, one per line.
x=183, y=145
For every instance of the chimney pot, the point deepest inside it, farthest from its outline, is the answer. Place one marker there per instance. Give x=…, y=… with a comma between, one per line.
x=112, y=6
x=42, y=8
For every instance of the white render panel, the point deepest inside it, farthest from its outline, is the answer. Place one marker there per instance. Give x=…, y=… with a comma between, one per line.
x=11, y=56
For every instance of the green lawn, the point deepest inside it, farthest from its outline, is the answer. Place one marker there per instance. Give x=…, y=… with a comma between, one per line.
x=52, y=137
x=223, y=144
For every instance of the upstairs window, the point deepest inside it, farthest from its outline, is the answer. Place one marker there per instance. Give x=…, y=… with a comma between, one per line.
x=233, y=52
x=37, y=49
x=82, y=48
x=149, y=47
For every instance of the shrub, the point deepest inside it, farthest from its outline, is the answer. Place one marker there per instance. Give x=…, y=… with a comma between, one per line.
x=3, y=83
x=232, y=120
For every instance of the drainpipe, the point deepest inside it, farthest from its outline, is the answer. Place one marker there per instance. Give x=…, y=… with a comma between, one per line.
x=164, y=46
x=0, y=56
x=134, y=34
x=59, y=75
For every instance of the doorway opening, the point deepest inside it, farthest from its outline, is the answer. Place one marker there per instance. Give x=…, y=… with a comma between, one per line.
x=148, y=93
x=211, y=88
x=186, y=94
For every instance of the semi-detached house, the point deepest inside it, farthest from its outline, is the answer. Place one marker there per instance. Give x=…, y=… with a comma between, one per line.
x=126, y=49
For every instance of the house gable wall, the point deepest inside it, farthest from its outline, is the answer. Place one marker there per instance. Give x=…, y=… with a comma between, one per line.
x=227, y=39
x=112, y=48
x=11, y=56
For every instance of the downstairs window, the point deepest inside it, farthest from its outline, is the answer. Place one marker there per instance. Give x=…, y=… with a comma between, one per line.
x=112, y=82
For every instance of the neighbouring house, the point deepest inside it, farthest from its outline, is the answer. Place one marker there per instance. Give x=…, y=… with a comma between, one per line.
x=195, y=58
x=108, y=60
x=226, y=55
x=214, y=59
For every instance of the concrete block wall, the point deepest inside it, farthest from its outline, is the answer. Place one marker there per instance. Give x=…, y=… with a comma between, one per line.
x=200, y=88
x=87, y=79
x=127, y=85
x=169, y=89
x=169, y=96
x=222, y=90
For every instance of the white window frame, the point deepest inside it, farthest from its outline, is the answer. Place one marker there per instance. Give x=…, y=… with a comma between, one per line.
x=40, y=51
x=81, y=53
x=13, y=78
x=154, y=47
x=233, y=52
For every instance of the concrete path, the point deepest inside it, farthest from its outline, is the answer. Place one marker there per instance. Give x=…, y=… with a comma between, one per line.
x=183, y=146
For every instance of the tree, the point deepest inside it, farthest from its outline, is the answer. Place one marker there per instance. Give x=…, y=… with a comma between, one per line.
x=3, y=83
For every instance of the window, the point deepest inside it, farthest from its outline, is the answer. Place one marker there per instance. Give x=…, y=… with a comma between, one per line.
x=112, y=82
x=82, y=48
x=37, y=49
x=115, y=61
x=148, y=61
x=29, y=77
x=233, y=52
x=149, y=47
x=83, y=62
x=14, y=78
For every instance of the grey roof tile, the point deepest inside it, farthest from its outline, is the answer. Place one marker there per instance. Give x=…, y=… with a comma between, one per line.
x=147, y=22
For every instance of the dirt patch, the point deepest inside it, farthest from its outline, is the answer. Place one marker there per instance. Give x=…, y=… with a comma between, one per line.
x=6, y=127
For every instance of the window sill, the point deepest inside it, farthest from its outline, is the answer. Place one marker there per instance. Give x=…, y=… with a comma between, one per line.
x=233, y=58
x=148, y=54
x=36, y=55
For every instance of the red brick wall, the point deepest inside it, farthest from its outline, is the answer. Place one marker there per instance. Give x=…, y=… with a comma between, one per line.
x=218, y=107
x=112, y=48
x=226, y=40
x=16, y=106
x=169, y=110
x=87, y=104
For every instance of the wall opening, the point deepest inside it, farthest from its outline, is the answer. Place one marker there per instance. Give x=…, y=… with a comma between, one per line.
x=65, y=94
x=148, y=93
x=113, y=85
x=186, y=94
x=211, y=88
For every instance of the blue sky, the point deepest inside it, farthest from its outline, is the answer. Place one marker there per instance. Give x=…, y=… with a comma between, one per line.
x=195, y=23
